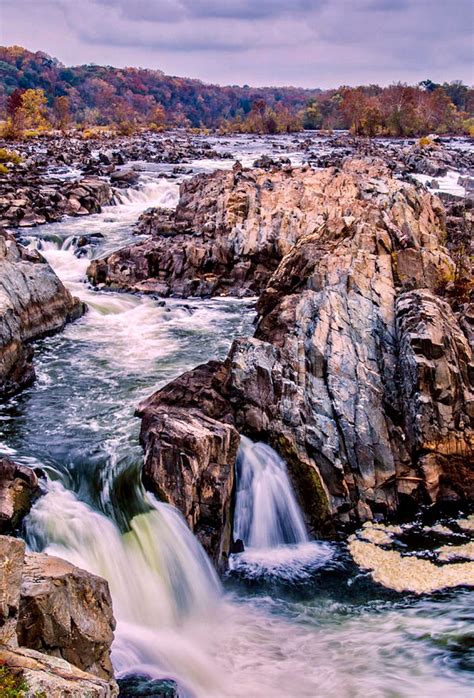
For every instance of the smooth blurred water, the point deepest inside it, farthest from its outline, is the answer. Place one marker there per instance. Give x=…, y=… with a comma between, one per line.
x=292, y=620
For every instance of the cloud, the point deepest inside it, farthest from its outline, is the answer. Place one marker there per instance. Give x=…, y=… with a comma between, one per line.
x=313, y=43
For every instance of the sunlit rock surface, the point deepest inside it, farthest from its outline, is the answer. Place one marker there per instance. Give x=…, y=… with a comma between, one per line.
x=62, y=619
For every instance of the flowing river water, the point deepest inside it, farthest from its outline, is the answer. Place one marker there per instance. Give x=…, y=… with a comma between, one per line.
x=292, y=620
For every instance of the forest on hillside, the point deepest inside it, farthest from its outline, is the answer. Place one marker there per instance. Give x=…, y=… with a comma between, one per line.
x=37, y=92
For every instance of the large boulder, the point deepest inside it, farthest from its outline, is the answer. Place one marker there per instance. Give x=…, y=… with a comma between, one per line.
x=190, y=455
x=359, y=374
x=62, y=619
x=33, y=303
x=66, y=612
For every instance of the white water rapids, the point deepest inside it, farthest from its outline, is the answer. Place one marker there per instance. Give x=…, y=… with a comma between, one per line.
x=174, y=617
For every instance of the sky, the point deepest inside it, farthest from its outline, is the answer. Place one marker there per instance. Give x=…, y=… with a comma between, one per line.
x=307, y=43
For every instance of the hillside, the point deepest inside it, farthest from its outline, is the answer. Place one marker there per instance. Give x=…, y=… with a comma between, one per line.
x=93, y=95
x=101, y=92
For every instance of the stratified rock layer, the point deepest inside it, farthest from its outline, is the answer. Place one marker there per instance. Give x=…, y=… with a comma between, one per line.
x=33, y=303
x=359, y=373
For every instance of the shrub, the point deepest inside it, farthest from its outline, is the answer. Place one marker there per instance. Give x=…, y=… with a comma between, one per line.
x=12, y=685
x=9, y=156
x=425, y=142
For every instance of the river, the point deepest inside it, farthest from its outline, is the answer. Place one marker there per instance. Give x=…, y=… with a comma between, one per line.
x=289, y=623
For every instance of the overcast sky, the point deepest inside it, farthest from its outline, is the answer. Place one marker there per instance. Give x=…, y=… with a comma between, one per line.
x=311, y=43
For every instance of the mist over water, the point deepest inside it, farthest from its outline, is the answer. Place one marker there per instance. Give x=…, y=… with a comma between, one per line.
x=293, y=614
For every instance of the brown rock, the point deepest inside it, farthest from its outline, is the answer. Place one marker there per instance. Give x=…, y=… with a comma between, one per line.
x=33, y=303
x=66, y=612
x=18, y=484
x=12, y=553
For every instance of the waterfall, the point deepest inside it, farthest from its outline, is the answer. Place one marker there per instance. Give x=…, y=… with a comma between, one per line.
x=152, y=192
x=266, y=511
x=160, y=580
x=269, y=522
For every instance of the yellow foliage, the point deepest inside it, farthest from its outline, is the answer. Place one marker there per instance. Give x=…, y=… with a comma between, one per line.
x=97, y=132
x=3, y=169
x=425, y=142
x=9, y=156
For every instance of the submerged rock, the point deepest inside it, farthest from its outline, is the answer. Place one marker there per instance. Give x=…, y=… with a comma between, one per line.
x=359, y=374
x=33, y=303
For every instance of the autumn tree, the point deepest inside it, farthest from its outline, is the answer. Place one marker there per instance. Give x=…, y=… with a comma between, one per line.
x=33, y=106
x=15, y=116
x=157, y=118
x=312, y=117
x=62, y=112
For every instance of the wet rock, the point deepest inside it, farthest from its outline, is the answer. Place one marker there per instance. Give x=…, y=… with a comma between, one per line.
x=33, y=303
x=124, y=176
x=18, y=486
x=190, y=455
x=140, y=686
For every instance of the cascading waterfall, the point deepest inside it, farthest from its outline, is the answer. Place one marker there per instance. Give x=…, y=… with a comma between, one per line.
x=159, y=576
x=269, y=521
x=266, y=511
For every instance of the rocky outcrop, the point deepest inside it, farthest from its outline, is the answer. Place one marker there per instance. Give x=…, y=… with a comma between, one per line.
x=33, y=303
x=190, y=455
x=43, y=675
x=18, y=486
x=25, y=202
x=359, y=374
x=230, y=230
x=66, y=612
x=62, y=619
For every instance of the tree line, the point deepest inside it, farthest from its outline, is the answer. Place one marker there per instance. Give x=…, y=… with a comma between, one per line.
x=38, y=93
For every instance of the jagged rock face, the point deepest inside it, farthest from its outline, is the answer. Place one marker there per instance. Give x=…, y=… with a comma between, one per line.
x=231, y=229
x=358, y=374
x=190, y=456
x=18, y=485
x=33, y=302
x=49, y=605
x=66, y=612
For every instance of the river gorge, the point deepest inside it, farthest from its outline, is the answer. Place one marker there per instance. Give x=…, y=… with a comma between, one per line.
x=291, y=614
